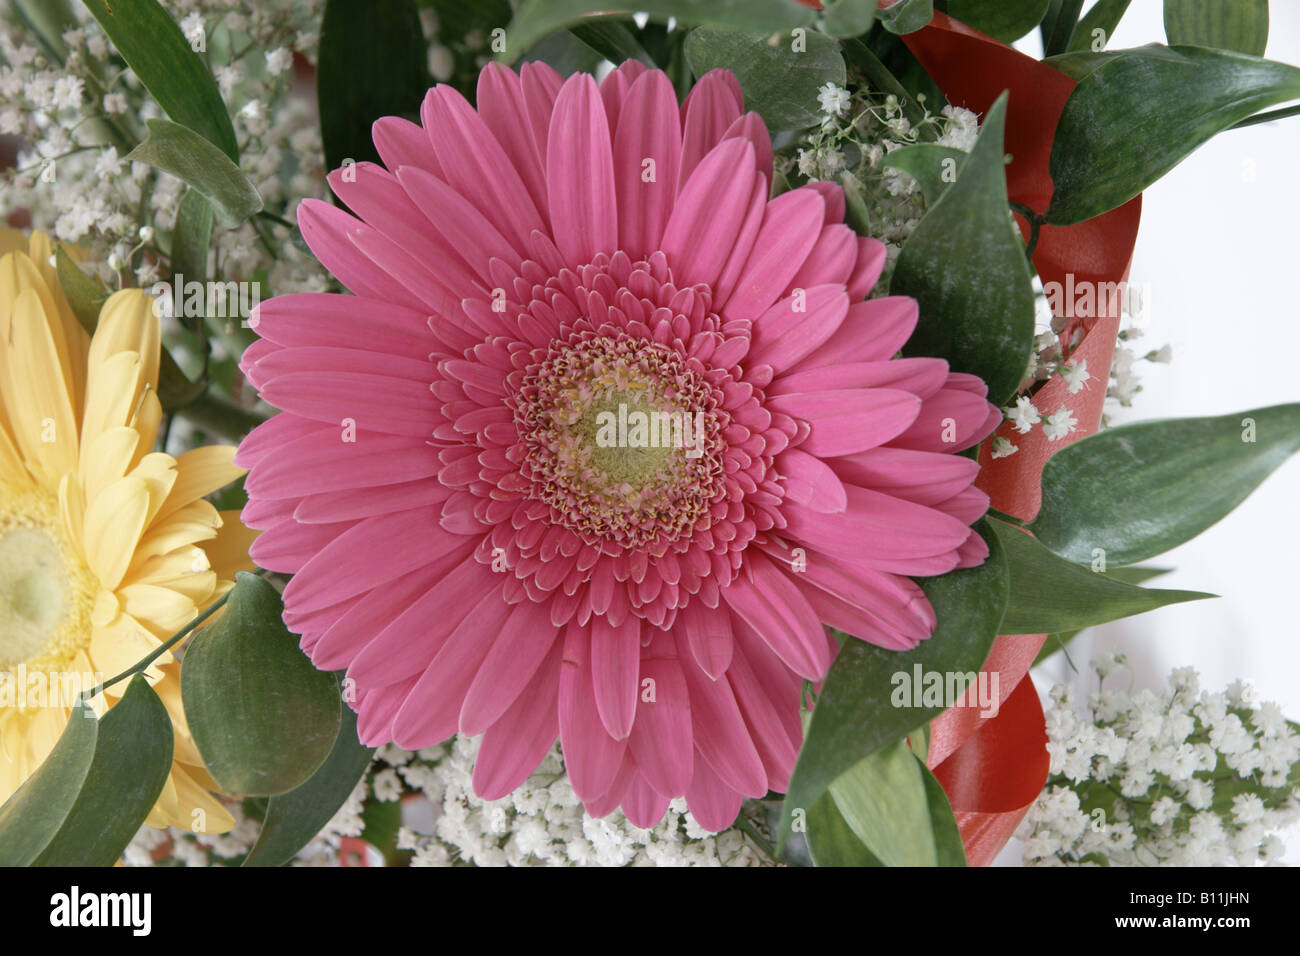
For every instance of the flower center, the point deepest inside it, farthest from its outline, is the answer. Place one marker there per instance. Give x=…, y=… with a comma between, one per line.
x=622, y=438
x=46, y=593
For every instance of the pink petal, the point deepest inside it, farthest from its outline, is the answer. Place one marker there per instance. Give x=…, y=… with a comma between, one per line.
x=721, y=736
x=871, y=262
x=615, y=665
x=501, y=104
x=950, y=420
x=642, y=805
x=921, y=476
x=791, y=224
x=765, y=598
x=346, y=321
x=811, y=482
x=650, y=130
x=707, y=637
x=872, y=332
x=580, y=174
x=713, y=104
x=339, y=645
x=710, y=211
x=474, y=238
x=325, y=230
x=288, y=546
x=922, y=377
x=751, y=127
x=350, y=504
x=763, y=718
x=403, y=143
x=712, y=803
x=795, y=326
x=591, y=756
x=368, y=402
x=851, y=419
x=831, y=260
x=514, y=746
x=518, y=651
x=661, y=739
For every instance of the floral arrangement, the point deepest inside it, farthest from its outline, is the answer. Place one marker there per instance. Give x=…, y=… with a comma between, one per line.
x=528, y=434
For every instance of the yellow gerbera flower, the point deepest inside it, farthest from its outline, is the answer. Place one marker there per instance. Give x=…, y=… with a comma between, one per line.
x=107, y=547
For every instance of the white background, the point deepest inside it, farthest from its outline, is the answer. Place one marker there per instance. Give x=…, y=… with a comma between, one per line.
x=1219, y=252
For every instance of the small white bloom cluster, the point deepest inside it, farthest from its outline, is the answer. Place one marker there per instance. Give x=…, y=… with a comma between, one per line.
x=857, y=131
x=1179, y=777
x=79, y=112
x=540, y=824
x=1124, y=380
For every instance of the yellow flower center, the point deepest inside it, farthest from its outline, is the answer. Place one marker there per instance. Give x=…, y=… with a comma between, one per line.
x=46, y=591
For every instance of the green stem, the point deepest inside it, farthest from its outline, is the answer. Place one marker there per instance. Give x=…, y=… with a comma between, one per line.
x=216, y=413
x=140, y=665
x=747, y=828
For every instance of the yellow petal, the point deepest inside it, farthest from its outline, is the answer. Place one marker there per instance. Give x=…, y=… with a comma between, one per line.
x=21, y=273
x=72, y=507
x=106, y=459
x=119, y=646
x=198, y=810
x=41, y=415
x=114, y=522
x=127, y=324
x=145, y=420
x=112, y=390
x=158, y=471
x=201, y=471
x=161, y=610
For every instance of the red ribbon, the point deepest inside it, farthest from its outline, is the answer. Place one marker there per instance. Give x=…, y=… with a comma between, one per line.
x=993, y=768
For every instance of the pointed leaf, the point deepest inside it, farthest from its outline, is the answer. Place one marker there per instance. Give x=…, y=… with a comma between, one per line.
x=1005, y=20
x=188, y=156
x=1240, y=25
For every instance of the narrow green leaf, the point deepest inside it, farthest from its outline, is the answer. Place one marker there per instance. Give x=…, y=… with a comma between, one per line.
x=906, y=16
x=965, y=265
x=85, y=294
x=1130, y=575
x=158, y=53
x=934, y=167
x=779, y=82
x=1005, y=20
x=613, y=40
x=373, y=63
x=294, y=818
x=537, y=18
x=133, y=757
x=855, y=713
x=947, y=837
x=1179, y=97
x=185, y=154
x=263, y=717
x=1104, y=16
x=1138, y=490
x=830, y=840
x=32, y=816
x=191, y=238
x=1049, y=593
x=1240, y=25
x=48, y=20
x=883, y=800
x=849, y=18
x=1079, y=64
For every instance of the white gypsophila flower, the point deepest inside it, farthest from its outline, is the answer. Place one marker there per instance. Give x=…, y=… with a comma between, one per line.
x=1075, y=374
x=278, y=61
x=1024, y=415
x=834, y=100
x=1002, y=447
x=1059, y=424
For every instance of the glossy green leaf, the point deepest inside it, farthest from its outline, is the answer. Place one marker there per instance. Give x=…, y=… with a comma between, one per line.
x=85, y=294
x=965, y=265
x=906, y=16
x=943, y=823
x=829, y=838
x=565, y=53
x=1240, y=25
x=191, y=238
x=1178, y=97
x=934, y=167
x=263, y=717
x=1079, y=64
x=1005, y=20
x=883, y=800
x=778, y=82
x=1135, y=574
x=32, y=816
x=176, y=76
x=848, y=18
x=1104, y=15
x=373, y=63
x=185, y=154
x=1050, y=594
x=294, y=818
x=1138, y=490
x=613, y=40
x=855, y=714
x=133, y=758
x=537, y=18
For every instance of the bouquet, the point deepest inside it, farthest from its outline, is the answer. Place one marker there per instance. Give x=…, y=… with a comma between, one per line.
x=529, y=433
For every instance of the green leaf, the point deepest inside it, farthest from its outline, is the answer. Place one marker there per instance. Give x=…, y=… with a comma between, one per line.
x=1139, y=490
x=1078, y=65
x=1104, y=16
x=1130, y=575
x=613, y=40
x=537, y=18
x=934, y=167
x=263, y=717
x=566, y=54
x=294, y=818
x=1179, y=97
x=778, y=82
x=185, y=154
x=855, y=715
x=848, y=18
x=1005, y=20
x=906, y=16
x=878, y=77
x=965, y=265
x=1049, y=593
x=85, y=294
x=372, y=63
x=133, y=757
x=883, y=800
x=158, y=53
x=32, y=816
x=831, y=841
x=1240, y=25
x=943, y=823
x=191, y=237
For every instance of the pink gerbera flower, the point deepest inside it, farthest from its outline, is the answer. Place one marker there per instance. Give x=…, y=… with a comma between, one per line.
x=462, y=480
